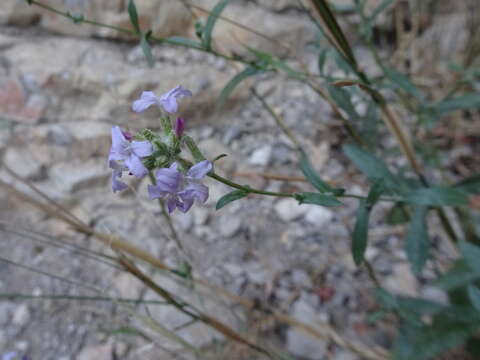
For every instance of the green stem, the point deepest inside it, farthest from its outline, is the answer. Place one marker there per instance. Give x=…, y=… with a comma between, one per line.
x=248, y=189
x=167, y=216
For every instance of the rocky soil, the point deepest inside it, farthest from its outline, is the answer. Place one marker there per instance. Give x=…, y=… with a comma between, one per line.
x=62, y=87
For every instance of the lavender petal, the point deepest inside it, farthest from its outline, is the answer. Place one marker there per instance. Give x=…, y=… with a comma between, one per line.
x=135, y=166
x=199, y=170
x=142, y=148
x=147, y=99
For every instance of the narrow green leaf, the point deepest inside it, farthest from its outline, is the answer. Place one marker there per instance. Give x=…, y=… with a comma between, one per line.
x=437, y=196
x=374, y=168
x=404, y=83
x=193, y=148
x=317, y=199
x=322, y=58
x=474, y=296
x=457, y=277
x=342, y=99
x=233, y=83
x=471, y=254
x=228, y=198
x=335, y=30
x=416, y=242
x=312, y=176
x=360, y=233
x=463, y=102
x=147, y=51
x=212, y=19
x=470, y=185
x=276, y=63
x=181, y=41
x=132, y=12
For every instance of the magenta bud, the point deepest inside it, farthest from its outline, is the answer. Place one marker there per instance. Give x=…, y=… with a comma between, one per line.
x=179, y=127
x=127, y=135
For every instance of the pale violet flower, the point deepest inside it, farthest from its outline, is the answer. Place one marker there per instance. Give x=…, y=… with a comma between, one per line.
x=117, y=170
x=167, y=101
x=126, y=155
x=179, y=189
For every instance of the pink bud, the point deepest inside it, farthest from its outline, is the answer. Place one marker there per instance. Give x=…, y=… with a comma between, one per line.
x=179, y=127
x=127, y=135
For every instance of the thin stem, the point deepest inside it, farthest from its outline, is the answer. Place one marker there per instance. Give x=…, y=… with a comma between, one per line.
x=247, y=189
x=79, y=298
x=167, y=216
x=278, y=119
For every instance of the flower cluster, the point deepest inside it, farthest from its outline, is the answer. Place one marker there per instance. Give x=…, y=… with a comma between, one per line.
x=158, y=154
x=13, y=355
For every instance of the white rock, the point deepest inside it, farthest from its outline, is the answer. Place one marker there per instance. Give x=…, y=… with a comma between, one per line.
x=402, y=281
x=23, y=162
x=300, y=343
x=200, y=215
x=21, y=315
x=289, y=209
x=301, y=278
x=97, y=352
x=318, y=215
x=261, y=156
x=434, y=294
x=345, y=355
x=230, y=226
x=79, y=175
x=127, y=285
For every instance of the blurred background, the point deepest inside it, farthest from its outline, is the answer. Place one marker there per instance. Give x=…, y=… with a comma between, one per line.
x=64, y=85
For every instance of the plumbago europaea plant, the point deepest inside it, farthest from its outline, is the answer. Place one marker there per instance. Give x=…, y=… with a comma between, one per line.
x=426, y=328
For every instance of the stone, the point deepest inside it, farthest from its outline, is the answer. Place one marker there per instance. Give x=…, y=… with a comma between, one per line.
x=434, y=294
x=229, y=226
x=300, y=343
x=301, y=278
x=21, y=316
x=127, y=285
x=402, y=281
x=92, y=138
x=77, y=175
x=24, y=162
x=200, y=215
x=288, y=209
x=318, y=215
x=97, y=352
x=17, y=12
x=261, y=156
x=344, y=355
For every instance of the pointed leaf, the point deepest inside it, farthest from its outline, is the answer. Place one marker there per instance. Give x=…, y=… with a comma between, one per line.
x=212, y=19
x=147, y=51
x=374, y=168
x=181, y=41
x=437, y=196
x=463, y=102
x=342, y=99
x=233, y=83
x=404, y=83
x=360, y=233
x=470, y=185
x=471, y=254
x=317, y=199
x=416, y=241
x=228, y=198
x=132, y=12
x=312, y=176
x=474, y=295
